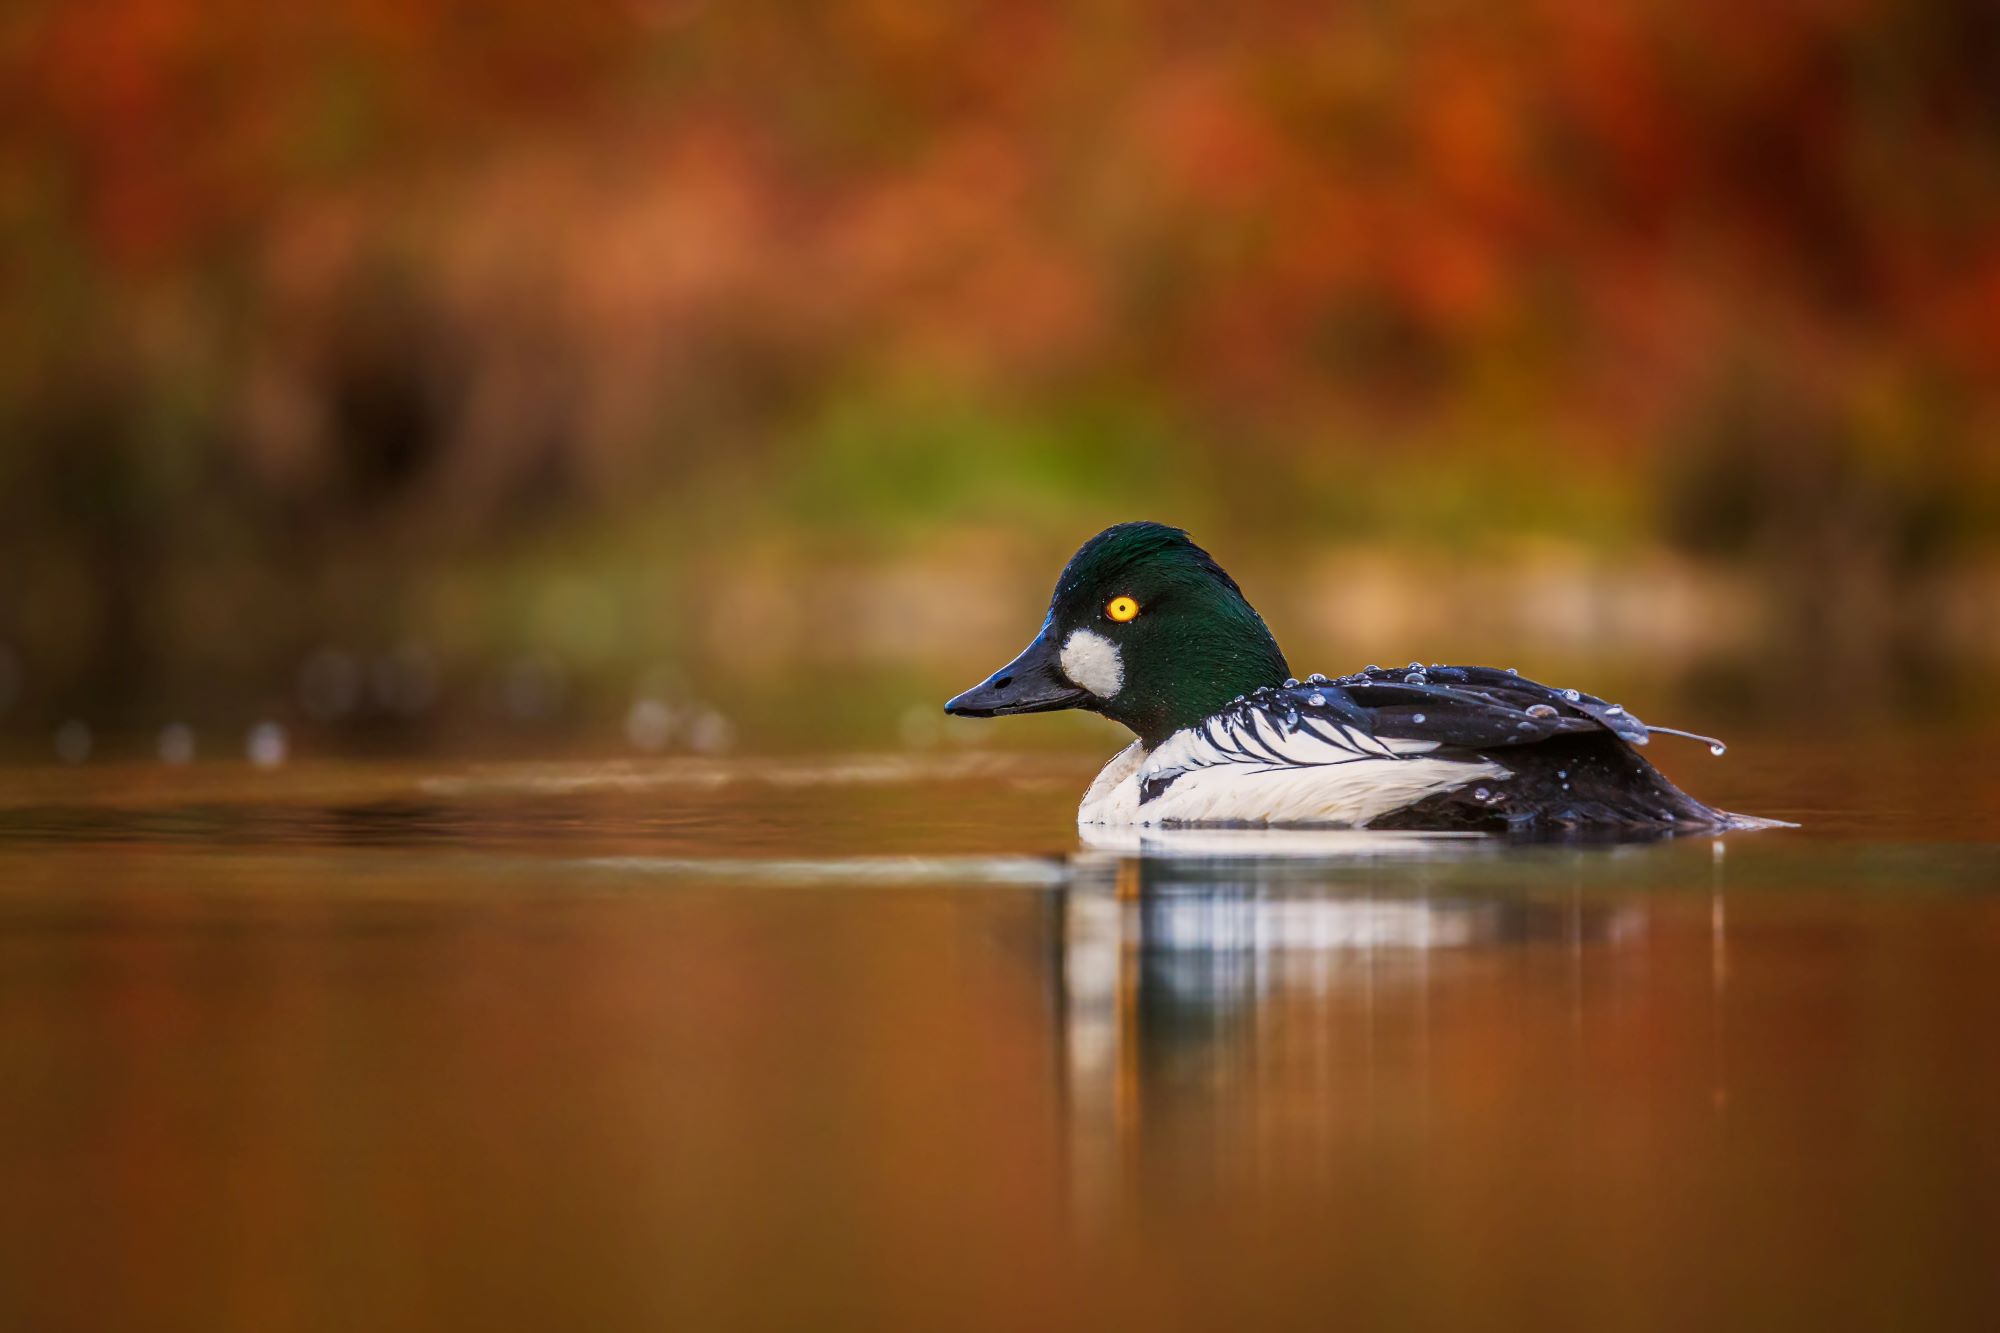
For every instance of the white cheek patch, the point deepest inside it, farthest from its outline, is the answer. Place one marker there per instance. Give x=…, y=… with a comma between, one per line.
x=1092, y=661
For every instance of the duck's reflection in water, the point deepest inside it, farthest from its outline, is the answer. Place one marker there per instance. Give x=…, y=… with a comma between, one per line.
x=1256, y=1003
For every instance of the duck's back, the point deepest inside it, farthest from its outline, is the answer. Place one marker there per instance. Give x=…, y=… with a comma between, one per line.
x=1440, y=747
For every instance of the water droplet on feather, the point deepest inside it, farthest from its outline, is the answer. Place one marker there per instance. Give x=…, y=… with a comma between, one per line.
x=1715, y=746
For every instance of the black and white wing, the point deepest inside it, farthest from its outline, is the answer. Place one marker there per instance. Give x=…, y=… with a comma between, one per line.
x=1478, y=707
x=1353, y=748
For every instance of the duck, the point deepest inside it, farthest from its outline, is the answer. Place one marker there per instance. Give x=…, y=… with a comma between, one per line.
x=1146, y=629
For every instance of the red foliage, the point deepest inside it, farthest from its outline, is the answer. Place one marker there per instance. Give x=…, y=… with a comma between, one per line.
x=1257, y=209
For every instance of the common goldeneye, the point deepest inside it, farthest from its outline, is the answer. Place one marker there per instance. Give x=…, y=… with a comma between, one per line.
x=1146, y=629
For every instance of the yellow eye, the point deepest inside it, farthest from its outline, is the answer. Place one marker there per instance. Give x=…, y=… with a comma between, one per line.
x=1121, y=609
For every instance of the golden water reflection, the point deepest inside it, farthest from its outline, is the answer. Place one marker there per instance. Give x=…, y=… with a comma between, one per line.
x=1182, y=974
x=698, y=1058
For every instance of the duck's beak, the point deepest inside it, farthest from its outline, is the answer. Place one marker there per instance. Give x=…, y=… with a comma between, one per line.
x=1031, y=683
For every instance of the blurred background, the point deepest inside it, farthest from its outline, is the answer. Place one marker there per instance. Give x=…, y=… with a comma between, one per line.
x=653, y=375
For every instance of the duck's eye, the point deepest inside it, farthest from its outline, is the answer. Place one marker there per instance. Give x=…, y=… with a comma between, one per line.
x=1121, y=609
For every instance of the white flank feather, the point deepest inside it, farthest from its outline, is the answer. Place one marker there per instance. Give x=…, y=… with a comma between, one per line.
x=1244, y=767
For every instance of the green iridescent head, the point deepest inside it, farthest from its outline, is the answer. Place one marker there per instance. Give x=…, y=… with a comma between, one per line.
x=1145, y=628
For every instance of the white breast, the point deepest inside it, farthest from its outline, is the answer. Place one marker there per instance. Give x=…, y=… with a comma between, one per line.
x=1114, y=797
x=1246, y=768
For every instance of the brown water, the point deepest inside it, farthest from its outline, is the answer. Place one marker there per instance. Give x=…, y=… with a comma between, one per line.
x=874, y=1044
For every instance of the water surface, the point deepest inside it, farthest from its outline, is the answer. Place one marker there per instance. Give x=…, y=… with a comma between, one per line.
x=874, y=1042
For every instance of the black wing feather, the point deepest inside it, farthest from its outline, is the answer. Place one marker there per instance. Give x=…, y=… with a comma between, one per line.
x=1471, y=707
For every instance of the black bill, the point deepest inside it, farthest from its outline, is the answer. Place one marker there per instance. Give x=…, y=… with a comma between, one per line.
x=1031, y=683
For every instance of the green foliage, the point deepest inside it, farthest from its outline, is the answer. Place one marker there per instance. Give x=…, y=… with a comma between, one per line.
x=900, y=467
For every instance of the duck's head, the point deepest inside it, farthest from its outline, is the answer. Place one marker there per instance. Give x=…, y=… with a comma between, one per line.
x=1145, y=628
